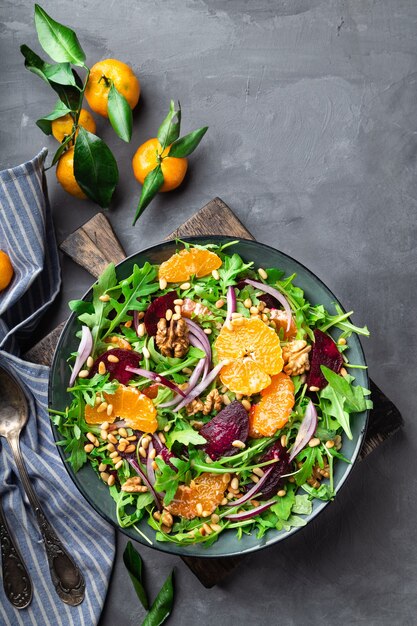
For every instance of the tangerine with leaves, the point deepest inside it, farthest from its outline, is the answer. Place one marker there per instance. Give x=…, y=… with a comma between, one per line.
x=186, y=263
x=129, y=404
x=63, y=126
x=274, y=409
x=207, y=490
x=149, y=155
x=65, y=175
x=254, y=353
x=6, y=270
x=103, y=75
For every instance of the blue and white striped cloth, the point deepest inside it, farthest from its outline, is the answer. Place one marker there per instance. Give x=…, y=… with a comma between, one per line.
x=27, y=235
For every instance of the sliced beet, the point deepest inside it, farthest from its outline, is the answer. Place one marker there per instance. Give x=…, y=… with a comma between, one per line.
x=324, y=352
x=231, y=424
x=163, y=451
x=118, y=370
x=274, y=480
x=157, y=309
x=270, y=301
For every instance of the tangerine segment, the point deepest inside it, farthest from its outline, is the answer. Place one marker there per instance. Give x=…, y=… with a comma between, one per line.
x=279, y=318
x=186, y=263
x=244, y=376
x=207, y=490
x=274, y=409
x=249, y=338
x=129, y=404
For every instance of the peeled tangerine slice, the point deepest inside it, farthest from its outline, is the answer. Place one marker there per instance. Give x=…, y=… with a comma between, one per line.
x=255, y=353
x=128, y=404
x=186, y=263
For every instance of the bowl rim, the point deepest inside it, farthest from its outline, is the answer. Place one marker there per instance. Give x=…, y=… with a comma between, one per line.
x=174, y=548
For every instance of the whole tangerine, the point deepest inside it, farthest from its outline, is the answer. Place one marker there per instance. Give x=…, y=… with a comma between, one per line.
x=105, y=73
x=63, y=126
x=65, y=175
x=149, y=155
x=6, y=270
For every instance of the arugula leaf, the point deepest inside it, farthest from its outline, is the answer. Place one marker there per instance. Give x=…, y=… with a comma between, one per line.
x=302, y=505
x=168, y=479
x=355, y=400
x=162, y=606
x=89, y=387
x=133, y=564
x=322, y=493
x=308, y=457
x=187, y=435
x=283, y=506
x=334, y=407
x=95, y=320
x=232, y=266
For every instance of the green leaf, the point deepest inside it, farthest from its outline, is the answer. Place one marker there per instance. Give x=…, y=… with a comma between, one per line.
x=169, y=130
x=151, y=185
x=95, y=167
x=354, y=395
x=94, y=319
x=120, y=114
x=59, y=41
x=302, y=505
x=186, y=145
x=62, y=148
x=61, y=73
x=45, y=123
x=186, y=436
x=133, y=564
x=335, y=408
x=162, y=606
x=282, y=507
x=34, y=63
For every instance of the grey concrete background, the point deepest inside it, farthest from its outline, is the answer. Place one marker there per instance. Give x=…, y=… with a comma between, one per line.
x=313, y=140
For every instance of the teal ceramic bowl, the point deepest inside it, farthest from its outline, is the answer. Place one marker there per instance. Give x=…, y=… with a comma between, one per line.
x=96, y=492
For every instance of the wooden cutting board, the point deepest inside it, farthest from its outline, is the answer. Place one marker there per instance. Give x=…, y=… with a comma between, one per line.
x=95, y=244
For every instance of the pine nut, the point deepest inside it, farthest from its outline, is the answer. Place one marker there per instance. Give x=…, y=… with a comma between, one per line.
x=185, y=286
x=142, y=452
x=90, y=361
x=264, y=317
x=177, y=309
x=167, y=428
x=329, y=444
x=146, y=352
x=154, y=465
x=215, y=518
x=113, y=454
x=236, y=316
x=110, y=446
x=179, y=301
x=224, y=501
x=215, y=274
x=255, y=478
x=238, y=444
x=118, y=464
x=111, y=438
x=205, y=514
x=235, y=483
x=145, y=443
x=261, y=306
x=103, y=434
x=162, y=438
x=246, y=404
x=226, y=400
x=104, y=298
x=315, y=441
x=342, y=341
x=281, y=493
x=247, y=303
x=168, y=314
x=83, y=374
x=141, y=330
x=219, y=304
x=91, y=437
x=104, y=476
x=103, y=407
x=343, y=371
x=88, y=447
x=152, y=454
x=111, y=480
x=284, y=441
x=199, y=509
x=166, y=518
x=121, y=447
x=208, y=460
x=105, y=425
x=207, y=529
x=131, y=438
x=254, y=310
x=262, y=273
x=102, y=467
x=216, y=527
x=102, y=367
x=314, y=388
x=130, y=448
x=122, y=432
x=112, y=358
x=157, y=516
x=226, y=478
x=117, y=459
x=128, y=324
x=96, y=443
x=266, y=310
x=163, y=283
x=187, y=370
x=109, y=409
x=141, y=315
x=259, y=471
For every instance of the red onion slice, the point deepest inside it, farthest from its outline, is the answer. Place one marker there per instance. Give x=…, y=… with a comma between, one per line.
x=201, y=386
x=149, y=468
x=201, y=365
x=275, y=294
x=244, y=515
x=253, y=491
x=196, y=331
x=231, y=302
x=157, y=378
x=84, y=350
x=306, y=431
x=143, y=476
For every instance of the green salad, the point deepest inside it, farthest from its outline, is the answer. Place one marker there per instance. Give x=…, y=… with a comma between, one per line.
x=209, y=396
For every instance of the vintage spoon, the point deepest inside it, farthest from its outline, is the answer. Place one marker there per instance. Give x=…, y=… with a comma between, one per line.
x=66, y=576
x=16, y=580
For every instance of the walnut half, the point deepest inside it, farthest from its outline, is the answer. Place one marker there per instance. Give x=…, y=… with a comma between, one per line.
x=295, y=355
x=172, y=337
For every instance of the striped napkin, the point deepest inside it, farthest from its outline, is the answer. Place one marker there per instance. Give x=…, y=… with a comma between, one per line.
x=27, y=235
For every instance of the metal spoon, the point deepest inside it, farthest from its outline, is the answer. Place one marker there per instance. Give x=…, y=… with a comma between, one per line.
x=16, y=580
x=66, y=576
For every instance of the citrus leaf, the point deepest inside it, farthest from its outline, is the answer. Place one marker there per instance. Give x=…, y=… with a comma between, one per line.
x=151, y=185
x=187, y=144
x=59, y=41
x=120, y=114
x=133, y=564
x=34, y=63
x=169, y=130
x=60, y=73
x=45, y=123
x=62, y=149
x=162, y=606
x=95, y=167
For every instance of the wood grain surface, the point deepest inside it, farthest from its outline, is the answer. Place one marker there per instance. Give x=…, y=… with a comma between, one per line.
x=95, y=244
